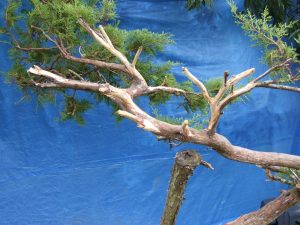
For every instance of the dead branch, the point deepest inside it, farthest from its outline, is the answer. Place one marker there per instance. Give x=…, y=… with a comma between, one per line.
x=198, y=83
x=124, y=99
x=277, y=86
x=137, y=55
x=104, y=40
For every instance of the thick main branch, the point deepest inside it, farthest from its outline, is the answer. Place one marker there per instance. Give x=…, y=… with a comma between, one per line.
x=270, y=211
x=123, y=98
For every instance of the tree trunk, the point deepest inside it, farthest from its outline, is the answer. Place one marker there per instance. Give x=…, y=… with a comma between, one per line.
x=184, y=165
x=270, y=211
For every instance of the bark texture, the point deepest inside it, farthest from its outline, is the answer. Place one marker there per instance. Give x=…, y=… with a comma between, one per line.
x=184, y=165
x=270, y=211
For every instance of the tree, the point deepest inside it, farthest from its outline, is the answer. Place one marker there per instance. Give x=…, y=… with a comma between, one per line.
x=70, y=54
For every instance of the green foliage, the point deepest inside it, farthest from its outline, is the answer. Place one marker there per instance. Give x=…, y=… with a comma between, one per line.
x=59, y=20
x=74, y=109
x=94, y=50
x=292, y=176
x=108, y=11
x=213, y=85
x=194, y=4
x=268, y=36
x=281, y=11
x=196, y=121
x=151, y=42
x=11, y=12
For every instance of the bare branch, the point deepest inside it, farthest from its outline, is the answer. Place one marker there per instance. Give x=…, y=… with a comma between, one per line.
x=170, y=90
x=277, y=86
x=235, y=79
x=138, y=78
x=239, y=77
x=174, y=132
x=45, y=85
x=97, y=63
x=107, y=39
x=27, y=49
x=137, y=55
x=141, y=123
x=284, y=64
x=63, y=82
x=198, y=83
x=206, y=164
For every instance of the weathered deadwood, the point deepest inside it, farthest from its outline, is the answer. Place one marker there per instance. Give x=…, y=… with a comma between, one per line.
x=184, y=165
x=123, y=98
x=270, y=211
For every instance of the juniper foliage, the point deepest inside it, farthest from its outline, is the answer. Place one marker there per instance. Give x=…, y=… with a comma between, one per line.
x=28, y=22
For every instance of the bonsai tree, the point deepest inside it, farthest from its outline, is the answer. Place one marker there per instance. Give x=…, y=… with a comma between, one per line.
x=66, y=46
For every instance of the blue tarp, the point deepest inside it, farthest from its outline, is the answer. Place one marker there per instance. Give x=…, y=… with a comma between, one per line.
x=105, y=173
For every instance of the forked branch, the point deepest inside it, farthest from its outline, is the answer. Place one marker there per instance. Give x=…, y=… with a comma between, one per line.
x=124, y=99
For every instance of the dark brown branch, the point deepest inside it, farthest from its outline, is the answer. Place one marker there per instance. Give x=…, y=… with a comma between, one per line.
x=185, y=163
x=270, y=211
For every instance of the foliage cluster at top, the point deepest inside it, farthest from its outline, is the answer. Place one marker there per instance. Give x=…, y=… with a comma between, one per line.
x=28, y=23
x=271, y=37
x=280, y=11
x=32, y=27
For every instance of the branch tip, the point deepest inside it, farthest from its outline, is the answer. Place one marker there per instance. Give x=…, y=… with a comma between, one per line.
x=185, y=127
x=198, y=83
x=137, y=55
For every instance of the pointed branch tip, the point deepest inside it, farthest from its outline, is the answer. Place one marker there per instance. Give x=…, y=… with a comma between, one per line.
x=185, y=127
x=137, y=55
